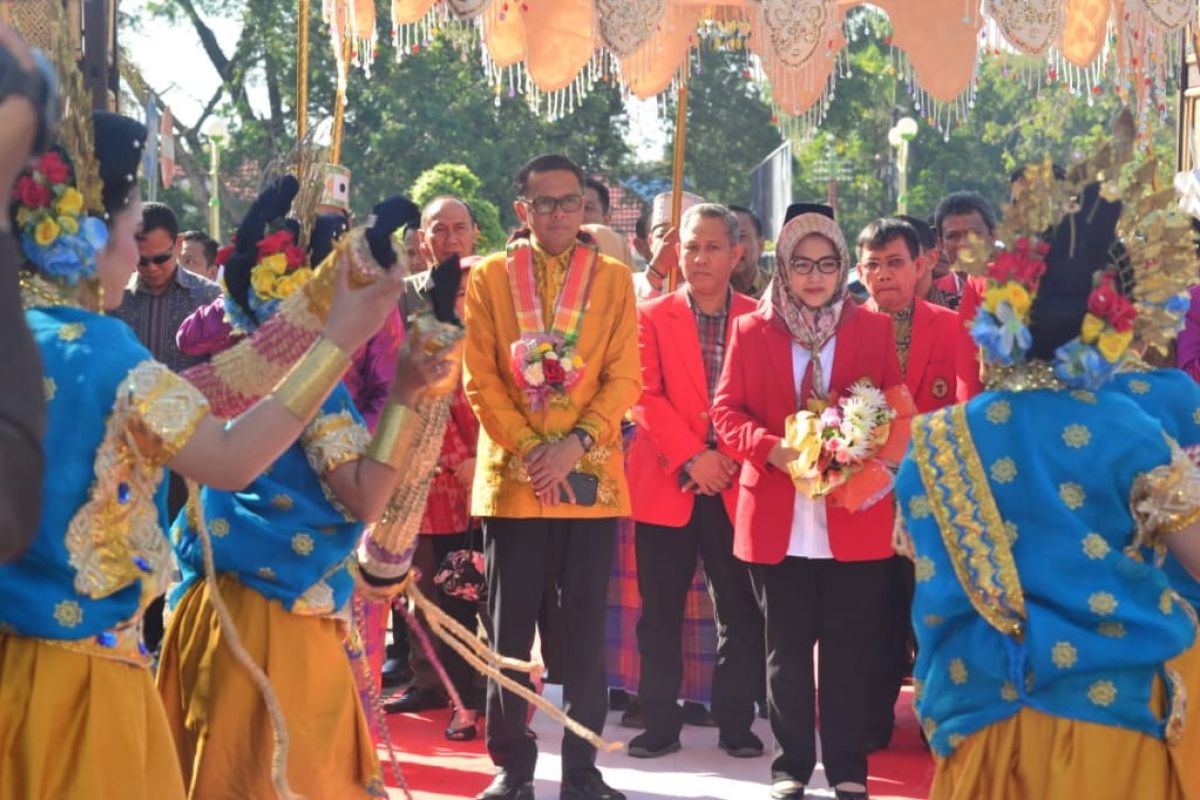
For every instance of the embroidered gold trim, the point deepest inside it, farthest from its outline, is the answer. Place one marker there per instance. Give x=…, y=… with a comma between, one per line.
x=125, y=643
x=1166, y=499
x=114, y=538
x=972, y=529
x=1024, y=377
x=167, y=406
x=332, y=440
x=1177, y=716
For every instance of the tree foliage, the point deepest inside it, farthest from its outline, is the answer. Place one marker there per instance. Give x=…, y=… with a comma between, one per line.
x=458, y=180
x=1011, y=123
x=437, y=107
x=434, y=106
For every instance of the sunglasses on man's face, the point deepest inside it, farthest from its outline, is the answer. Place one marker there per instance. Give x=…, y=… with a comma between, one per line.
x=158, y=260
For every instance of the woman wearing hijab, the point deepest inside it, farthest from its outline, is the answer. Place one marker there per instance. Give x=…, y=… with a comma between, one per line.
x=819, y=571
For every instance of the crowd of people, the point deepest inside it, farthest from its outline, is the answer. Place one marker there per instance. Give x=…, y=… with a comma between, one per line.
x=564, y=415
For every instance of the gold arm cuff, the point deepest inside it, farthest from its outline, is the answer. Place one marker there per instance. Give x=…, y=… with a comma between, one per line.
x=392, y=436
x=310, y=381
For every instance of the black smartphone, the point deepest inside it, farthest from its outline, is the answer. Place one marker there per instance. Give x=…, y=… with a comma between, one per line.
x=585, y=487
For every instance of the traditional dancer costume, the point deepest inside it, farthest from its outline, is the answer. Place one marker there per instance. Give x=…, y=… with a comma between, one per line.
x=1054, y=658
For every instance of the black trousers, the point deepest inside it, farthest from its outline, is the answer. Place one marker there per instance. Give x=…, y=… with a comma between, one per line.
x=577, y=553
x=666, y=561
x=840, y=606
x=431, y=550
x=897, y=646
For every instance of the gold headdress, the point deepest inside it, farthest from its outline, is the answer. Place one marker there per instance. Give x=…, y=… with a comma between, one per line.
x=1139, y=279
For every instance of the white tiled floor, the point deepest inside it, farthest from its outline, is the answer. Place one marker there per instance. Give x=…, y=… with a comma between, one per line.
x=698, y=772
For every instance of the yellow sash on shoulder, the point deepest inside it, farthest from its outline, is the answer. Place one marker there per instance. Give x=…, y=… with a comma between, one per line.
x=967, y=516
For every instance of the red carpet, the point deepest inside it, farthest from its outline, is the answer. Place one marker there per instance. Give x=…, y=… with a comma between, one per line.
x=436, y=769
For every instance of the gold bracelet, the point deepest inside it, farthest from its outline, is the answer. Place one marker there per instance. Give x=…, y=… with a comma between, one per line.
x=392, y=434
x=308, y=384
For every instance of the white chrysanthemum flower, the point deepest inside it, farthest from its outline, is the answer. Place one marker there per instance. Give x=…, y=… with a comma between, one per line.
x=868, y=394
x=534, y=374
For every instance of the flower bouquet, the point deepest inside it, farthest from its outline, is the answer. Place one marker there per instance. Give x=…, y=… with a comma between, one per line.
x=546, y=367
x=846, y=447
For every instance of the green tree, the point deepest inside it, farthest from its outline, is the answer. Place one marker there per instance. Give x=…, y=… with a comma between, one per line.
x=458, y=180
x=434, y=106
x=729, y=131
x=1010, y=124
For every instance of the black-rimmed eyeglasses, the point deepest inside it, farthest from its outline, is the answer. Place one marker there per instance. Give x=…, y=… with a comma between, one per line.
x=825, y=266
x=548, y=205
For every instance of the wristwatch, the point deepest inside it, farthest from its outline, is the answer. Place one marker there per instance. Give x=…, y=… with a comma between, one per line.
x=585, y=438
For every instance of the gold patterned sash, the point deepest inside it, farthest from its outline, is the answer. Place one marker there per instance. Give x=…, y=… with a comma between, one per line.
x=970, y=523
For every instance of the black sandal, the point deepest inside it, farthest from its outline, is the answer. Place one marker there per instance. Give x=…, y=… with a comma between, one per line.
x=465, y=733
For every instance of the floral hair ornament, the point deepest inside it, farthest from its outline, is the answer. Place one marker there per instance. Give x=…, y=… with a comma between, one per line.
x=58, y=205
x=1138, y=283
x=1001, y=325
x=58, y=238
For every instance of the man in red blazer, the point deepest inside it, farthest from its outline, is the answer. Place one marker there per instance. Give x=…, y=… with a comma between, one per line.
x=926, y=339
x=959, y=217
x=685, y=493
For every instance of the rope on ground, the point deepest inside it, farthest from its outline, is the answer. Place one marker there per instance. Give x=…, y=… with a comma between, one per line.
x=490, y=663
x=374, y=695
x=416, y=627
x=229, y=631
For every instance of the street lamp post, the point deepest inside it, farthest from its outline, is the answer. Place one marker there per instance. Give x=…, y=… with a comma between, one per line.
x=833, y=169
x=217, y=132
x=903, y=132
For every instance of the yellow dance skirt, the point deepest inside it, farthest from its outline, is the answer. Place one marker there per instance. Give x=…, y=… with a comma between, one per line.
x=1034, y=755
x=220, y=722
x=74, y=725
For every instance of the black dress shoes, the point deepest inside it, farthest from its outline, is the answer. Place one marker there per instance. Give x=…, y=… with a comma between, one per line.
x=415, y=699
x=395, y=673
x=506, y=786
x=743, y=745
x=653, y=745
x=787, y=789
x=587, y=785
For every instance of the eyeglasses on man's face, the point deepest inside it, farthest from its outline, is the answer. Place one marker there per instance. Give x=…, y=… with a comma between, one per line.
x=892, y=264
x=158, y=260
x=548, y=205
x=825, y=266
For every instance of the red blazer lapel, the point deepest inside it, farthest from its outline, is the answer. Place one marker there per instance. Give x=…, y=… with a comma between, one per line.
x=845, y=351
x=686, y=342
x=777, y=354
x=920, y=346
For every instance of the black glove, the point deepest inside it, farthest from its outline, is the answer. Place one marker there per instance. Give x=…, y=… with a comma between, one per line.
x=387, y=217
x=326, y=229
x=444, y=283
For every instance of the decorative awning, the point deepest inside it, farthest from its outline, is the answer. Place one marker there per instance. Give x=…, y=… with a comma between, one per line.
x=560, y=47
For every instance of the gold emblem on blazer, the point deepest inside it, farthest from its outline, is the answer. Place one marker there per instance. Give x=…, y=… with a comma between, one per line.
x=939, y=388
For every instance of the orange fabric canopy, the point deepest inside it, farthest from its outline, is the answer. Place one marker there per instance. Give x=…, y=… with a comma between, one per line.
x=797, y=41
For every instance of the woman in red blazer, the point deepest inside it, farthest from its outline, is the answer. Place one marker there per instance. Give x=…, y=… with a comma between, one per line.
x=819, y=571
